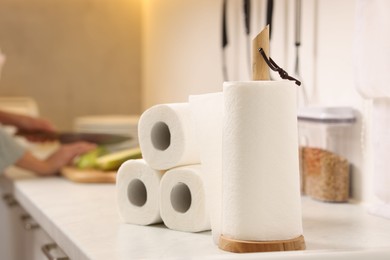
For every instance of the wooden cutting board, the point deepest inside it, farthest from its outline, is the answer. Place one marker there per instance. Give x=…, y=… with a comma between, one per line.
x=88, y=175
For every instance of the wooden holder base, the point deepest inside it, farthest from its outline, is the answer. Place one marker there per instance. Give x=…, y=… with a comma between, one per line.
x=242, y=246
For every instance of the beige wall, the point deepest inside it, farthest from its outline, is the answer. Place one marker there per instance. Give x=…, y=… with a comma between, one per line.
x=75, y=57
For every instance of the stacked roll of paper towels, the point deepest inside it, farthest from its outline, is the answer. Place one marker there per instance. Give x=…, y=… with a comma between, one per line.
x=138, y=192
x=226, y=161
x=167, y=136
x=167, y=184
x=183, y=200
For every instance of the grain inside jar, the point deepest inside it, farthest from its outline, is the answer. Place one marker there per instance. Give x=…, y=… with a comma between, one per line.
x=325, y=175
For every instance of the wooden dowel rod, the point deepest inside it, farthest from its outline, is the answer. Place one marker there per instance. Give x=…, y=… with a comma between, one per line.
x=260, y=69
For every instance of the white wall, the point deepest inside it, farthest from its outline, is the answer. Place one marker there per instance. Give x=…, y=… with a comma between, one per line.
x=182, y=47
x=182, y=52
x=182, y=56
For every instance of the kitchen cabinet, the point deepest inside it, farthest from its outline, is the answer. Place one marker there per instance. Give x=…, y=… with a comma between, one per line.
x=21, y=237
x=37, y=244
x=10, y=229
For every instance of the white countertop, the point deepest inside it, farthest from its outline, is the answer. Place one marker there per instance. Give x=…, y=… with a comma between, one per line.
x=84, y=222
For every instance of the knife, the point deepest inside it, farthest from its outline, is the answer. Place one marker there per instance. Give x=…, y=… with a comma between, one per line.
x=71, y=137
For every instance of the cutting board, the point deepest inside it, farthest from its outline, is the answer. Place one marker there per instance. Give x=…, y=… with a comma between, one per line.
x=88, y=175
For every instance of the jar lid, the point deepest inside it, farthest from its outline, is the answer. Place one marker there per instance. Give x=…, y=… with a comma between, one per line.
x=327, y=114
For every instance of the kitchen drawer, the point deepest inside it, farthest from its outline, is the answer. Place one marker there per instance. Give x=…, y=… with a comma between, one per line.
x=21, y=237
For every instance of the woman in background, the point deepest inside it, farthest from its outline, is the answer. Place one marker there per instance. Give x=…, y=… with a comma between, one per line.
x=11, y=153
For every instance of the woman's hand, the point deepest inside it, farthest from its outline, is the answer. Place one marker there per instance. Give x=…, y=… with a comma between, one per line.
x=65, y=155
x=28, y=126
x=27, y=123
x=60, y=158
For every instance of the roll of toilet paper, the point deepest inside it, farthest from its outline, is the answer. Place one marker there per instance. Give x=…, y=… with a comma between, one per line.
x=166, y=136
x=183, y=200
x=261, y=193
x=138, y=187
x=207, y=111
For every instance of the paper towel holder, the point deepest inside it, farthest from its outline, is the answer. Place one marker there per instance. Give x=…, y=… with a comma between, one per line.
x=261, y=72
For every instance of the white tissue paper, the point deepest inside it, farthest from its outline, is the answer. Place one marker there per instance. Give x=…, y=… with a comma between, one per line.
x=372, y=62
x=371, y=48
x=381, y=155
x=166, y=136
x=207, y=111
x=261, y=194
x=137, y=187
x=183, y=200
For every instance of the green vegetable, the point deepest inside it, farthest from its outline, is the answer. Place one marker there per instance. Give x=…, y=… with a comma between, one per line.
x=88, y=160
x=113, y=161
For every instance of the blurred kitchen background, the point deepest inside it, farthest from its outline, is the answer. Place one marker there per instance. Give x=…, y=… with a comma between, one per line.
x=73, y=57
x=94, y=57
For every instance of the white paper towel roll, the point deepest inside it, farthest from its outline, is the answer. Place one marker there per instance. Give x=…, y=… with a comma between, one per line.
x=183, y=200
x=261, y=194
x=138, y=187
x=166, y=136
x=207, y=111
